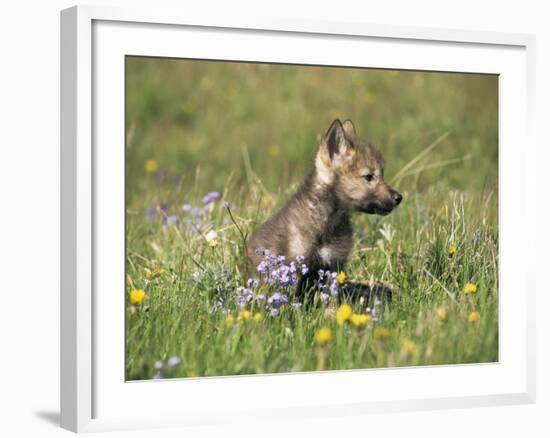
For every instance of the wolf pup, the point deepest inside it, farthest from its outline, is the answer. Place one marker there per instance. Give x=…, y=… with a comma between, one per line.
x=315, y=223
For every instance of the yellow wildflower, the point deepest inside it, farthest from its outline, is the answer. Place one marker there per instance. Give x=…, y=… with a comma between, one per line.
x=137, y=296
x=341, y=277
x=231, y=93
x=189, y=107
x=211, y=238
x=370, y=98
x=205, y=83
x=245, y=314
x=451, y=250
x=442, y=313
x=274, y=150
x=343, y=314
x=473, y=317
x=408, y=347
x=359, y=320
x=323, y=336
x=211, y=235
x=257, y=317
x=470, y=288
x=151, y=166
x=229, y=320
x=268, y=201
x=381, y=333
x=151, y=274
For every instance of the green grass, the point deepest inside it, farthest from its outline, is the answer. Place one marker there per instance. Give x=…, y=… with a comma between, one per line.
x=250, y=132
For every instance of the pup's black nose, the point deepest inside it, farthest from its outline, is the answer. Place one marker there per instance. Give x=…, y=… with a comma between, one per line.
x=396, y=196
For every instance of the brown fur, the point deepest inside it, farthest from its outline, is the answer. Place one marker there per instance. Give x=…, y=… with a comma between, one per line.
x=315, y=223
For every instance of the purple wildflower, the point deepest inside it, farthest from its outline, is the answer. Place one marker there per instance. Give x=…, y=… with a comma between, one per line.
x=210, y=197
x=252, y=282
x=151, y=214
x=374, y=310
x=275, y=271
x=158, y=365
x=207, y=209
x=173, y=361
x=327, y=284
x=277, y=300
x=333, y=286
x=262, y=251
x=196, y=227
x=245, y=296
x=171, y=220
x=262, y=267
x=245, y=293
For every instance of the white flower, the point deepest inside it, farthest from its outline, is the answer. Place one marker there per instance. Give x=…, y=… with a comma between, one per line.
x=211, y=235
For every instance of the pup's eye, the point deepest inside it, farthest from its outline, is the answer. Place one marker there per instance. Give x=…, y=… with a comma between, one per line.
x=369, y=177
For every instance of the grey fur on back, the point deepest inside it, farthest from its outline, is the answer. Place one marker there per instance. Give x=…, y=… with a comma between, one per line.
x=311, y=224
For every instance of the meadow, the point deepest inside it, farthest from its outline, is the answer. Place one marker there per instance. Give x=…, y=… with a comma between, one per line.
x=213, y=149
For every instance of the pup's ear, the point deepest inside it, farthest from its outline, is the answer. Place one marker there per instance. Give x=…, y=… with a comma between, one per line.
x=335, y=140
x=349, y=129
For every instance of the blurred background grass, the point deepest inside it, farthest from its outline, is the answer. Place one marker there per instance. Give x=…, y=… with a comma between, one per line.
x=199, y=120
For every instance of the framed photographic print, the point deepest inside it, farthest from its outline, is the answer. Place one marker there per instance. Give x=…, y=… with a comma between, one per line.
x=326, y=210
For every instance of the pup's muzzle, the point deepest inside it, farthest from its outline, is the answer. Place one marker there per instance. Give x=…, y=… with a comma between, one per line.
x=396, y=197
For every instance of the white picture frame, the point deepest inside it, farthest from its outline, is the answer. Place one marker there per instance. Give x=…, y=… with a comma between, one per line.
x=93, y=39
